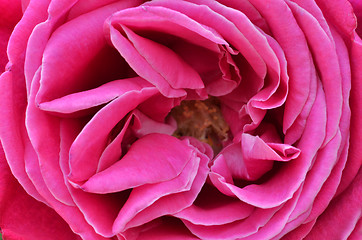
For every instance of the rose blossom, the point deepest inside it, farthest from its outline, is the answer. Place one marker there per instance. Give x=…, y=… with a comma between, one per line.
x=194, y=119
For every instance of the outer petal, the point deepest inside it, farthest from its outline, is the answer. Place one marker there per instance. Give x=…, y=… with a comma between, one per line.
x=10, y=14
x=342, y=216
x=357, y=7
x=161, y=229
x=23, y=217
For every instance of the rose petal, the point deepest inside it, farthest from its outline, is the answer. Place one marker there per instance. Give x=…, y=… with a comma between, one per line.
x=236, y=229
x=149, y=201
x=63, y=73
x=47, y=152
x=87, y=99
x=12, y=129
x=281, y=187
x=174, y=202
x=252, y=157
x=227, y=29
x=208, y=213
x=113, y=152
x=354, y=156
x=91, y=142
x=342, y=215
x=178, y=75
x=326, y=60
x=9, y=16
x=23, y=216
x=296, y=52
x=138, y=166
x=162, y=229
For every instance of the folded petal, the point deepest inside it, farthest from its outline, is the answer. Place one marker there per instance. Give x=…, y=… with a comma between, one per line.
x=138, y=166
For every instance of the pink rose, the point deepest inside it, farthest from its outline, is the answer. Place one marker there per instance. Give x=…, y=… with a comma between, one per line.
x=195, y=119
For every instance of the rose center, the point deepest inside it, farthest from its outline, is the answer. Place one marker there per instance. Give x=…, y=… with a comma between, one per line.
x=202, y=120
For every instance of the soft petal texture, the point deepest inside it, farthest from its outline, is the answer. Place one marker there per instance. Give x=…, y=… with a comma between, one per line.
x=22, y=216
x=342, y=216
x=112, y=113
x=142, y=165
x=10, y=14
x=86, y=119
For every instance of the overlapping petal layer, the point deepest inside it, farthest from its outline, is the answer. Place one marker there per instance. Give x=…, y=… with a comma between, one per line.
x=86, y=120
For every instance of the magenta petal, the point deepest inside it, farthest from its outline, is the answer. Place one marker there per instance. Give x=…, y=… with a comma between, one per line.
x=23, y=216
x=254, y=157
x=175, y=201
x=166, y=20
x=83, y=6
x=296, y=52
x=62, y=72
x=113, y=152
x=87, y=99
x=221, y=210
x=47, y=151
x=99, y=210
x=138, y=166
x=50, y=17
x=322, y=167
x=136, y=211
x=227, y=29
x=324, y=53
x=224, y=213
x=10, y=14
x=282, y=186
x=134, y=60
x=178, y=73
x=354, y=157
x=342, y=215
x=12, y=128
x=91, y=142
x=161, y=229
x=236, y=229
x=144, y=125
